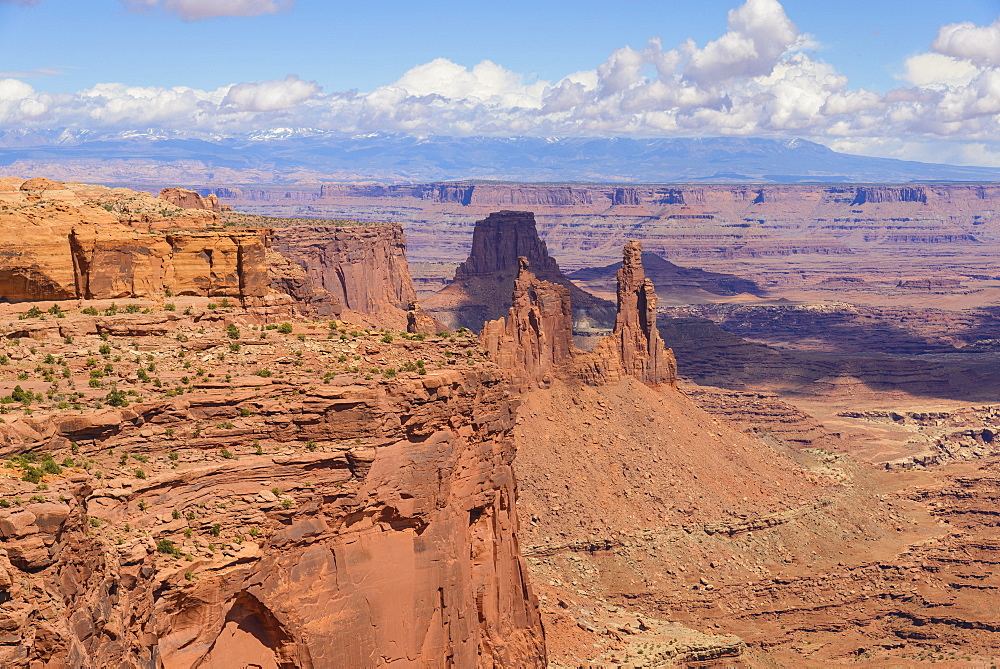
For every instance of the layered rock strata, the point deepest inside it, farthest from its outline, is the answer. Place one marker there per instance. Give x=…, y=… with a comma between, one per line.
x=358, y=523
x=56, y=245
x=484, y=283
x=584, y=224
x=364, y=267
x=535, y=340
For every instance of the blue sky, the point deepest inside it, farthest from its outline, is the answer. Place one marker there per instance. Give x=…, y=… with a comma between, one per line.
x=366, y=45
x=553, y=68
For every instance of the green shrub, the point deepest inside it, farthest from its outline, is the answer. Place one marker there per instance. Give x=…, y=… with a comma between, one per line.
x=116, y=398
x=167, y=547
x=285, y=328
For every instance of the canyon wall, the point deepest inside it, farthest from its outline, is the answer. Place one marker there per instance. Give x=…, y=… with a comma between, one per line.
x=364, y=267
x=362, y=523
x=585, y=224
x=67, y=241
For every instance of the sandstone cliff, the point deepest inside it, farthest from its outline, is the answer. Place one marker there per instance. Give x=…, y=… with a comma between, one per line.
x=65, y=241
x=484, y=283
x=585, y=224
x=364, y=267
x=534, y=342
x=189, y=199
x=263, y=521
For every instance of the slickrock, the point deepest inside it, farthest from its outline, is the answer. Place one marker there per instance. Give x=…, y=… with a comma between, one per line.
x=189, y=199
x=364, y=267
x=535, y=340
x=635, y=348
x=484, y=283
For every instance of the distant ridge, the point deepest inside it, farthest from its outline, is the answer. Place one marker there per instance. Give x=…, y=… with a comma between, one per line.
x=288, y=155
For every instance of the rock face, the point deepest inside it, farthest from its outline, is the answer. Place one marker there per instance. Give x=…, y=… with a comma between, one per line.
x=484, y=283
x=585, y=224
x=113, y=263
x=290, y=278
x=58, y=246
x=363, y=267
x=635, y=348
x=357, y=523
x=189, y=199
x=535, y=340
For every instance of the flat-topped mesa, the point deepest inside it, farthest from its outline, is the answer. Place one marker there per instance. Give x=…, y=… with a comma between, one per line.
x=484, y=283
x=635, y=348
x=189, y=199
x=535, y=341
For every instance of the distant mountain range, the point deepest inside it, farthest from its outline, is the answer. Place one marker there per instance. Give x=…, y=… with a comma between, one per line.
x=287, y=155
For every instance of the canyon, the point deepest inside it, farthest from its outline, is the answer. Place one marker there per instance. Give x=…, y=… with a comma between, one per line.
x=233, y=439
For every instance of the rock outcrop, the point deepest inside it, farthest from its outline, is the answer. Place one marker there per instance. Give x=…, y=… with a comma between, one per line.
x=635, y=348
x=189, y=199
x=535, y=340
x=484, y=283
x=57, y=245
x=364, y=267
x=258, y=521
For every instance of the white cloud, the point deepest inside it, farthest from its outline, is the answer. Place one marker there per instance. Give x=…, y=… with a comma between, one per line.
x=270, y=95
x=931, y=69
x=756, y=79
x=759, y=34
x=197, y=10
x=967, y=41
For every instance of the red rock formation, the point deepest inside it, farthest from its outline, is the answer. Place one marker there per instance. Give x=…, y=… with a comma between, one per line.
x=189, y=199
x=371, y=523
x=364, y=267
x=635, y=348
x=535, y=341
x=484, y=283
x=290, y=278
x=682, y=220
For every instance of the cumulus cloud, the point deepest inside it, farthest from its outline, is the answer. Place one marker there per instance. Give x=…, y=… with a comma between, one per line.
x=270, y=95
x=758, y=78
x=967, y=41
x=197, y=10
x=759, y=34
